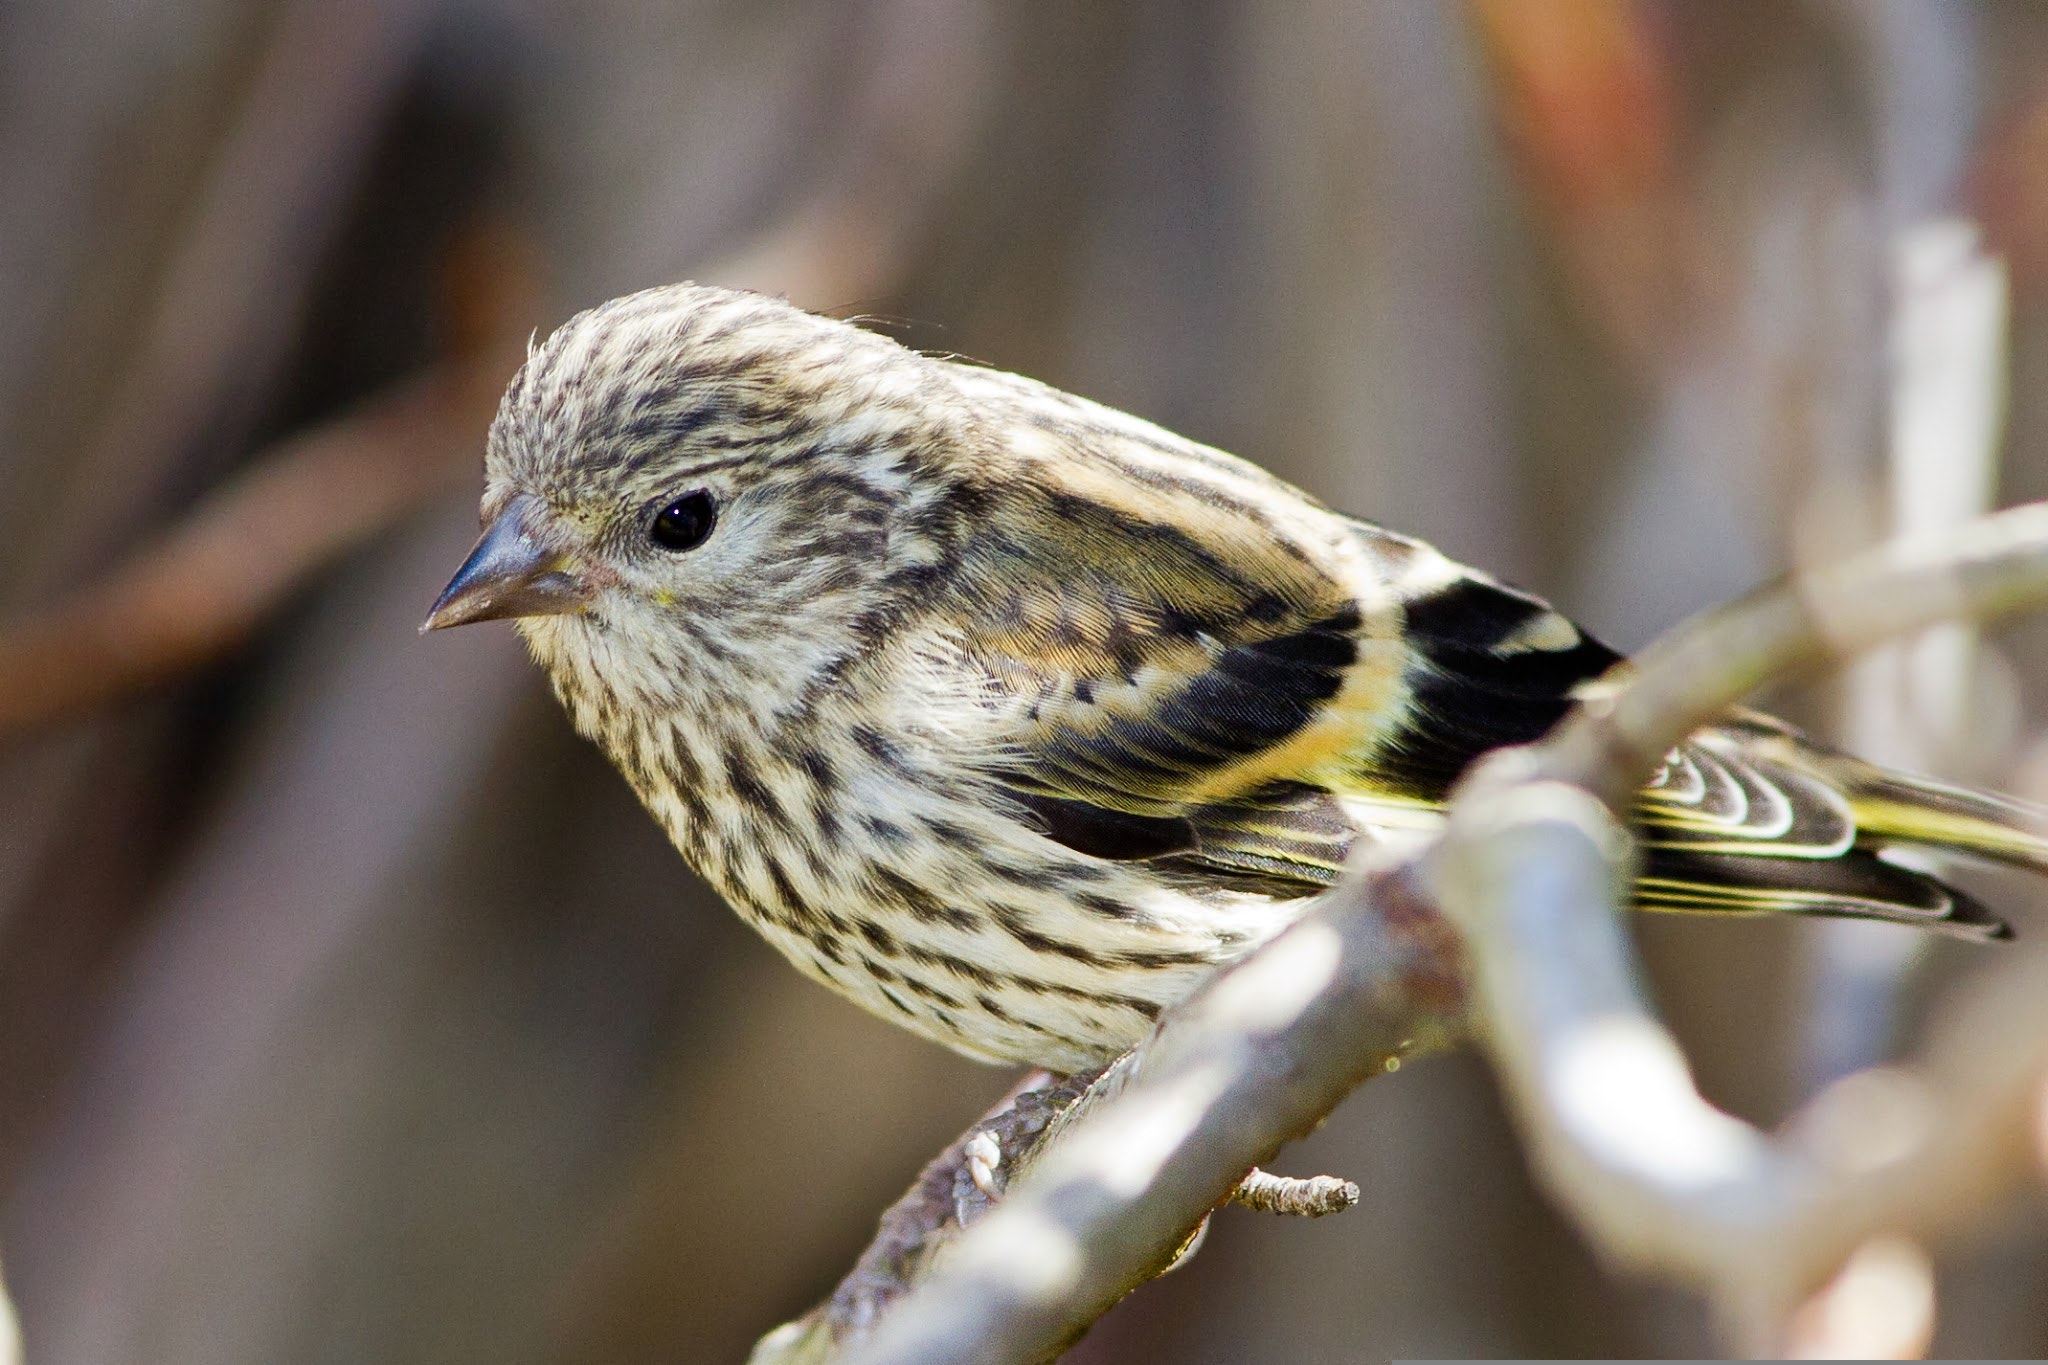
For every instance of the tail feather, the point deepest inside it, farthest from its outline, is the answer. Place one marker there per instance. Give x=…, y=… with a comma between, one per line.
x=1858, y=884
x=1898, y=808
x=1753, y=817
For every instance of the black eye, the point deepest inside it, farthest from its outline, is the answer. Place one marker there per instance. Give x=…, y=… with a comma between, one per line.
x=683, y=524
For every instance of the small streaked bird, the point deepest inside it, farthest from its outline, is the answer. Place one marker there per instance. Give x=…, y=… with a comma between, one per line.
x=1008, y=716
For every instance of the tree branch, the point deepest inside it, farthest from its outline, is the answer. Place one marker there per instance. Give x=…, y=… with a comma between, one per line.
x=1990, y=567
x=944, y=1200
x=1655, y=1176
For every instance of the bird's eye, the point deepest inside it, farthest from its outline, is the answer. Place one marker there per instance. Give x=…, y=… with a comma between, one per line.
x=684, y=523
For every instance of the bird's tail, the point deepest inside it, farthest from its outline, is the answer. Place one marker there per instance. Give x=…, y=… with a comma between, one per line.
x=1856, y=842
x=1902, y=809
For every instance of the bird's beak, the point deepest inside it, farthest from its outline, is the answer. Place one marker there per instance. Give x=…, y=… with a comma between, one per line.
x=515, y=570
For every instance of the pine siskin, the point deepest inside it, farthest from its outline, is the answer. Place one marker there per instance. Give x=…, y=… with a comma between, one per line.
x=1008, y=716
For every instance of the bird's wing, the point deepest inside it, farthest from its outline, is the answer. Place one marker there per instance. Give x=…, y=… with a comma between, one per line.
x=1177, y=699
x=1176, y=679
x=1246, y=734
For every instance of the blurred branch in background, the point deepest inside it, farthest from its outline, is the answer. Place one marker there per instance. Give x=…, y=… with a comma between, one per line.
x=231, y=290
x=204, y=585
x=10, y=1331
x=1930, y=462
x=1938, y=703
x=174, y=180
x=181, y=177
x=1591, y=108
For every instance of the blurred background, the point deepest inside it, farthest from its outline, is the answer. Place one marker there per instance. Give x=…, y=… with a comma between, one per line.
x=349, y=1008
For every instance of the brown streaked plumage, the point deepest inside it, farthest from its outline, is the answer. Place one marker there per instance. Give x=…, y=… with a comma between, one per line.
x=1008, y=715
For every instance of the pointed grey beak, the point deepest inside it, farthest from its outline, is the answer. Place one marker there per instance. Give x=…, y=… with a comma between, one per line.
x=511, y=572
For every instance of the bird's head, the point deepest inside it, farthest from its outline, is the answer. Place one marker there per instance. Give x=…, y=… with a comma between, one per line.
x=695, y=492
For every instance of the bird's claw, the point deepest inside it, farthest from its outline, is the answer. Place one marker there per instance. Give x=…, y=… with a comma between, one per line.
x=984, y=1155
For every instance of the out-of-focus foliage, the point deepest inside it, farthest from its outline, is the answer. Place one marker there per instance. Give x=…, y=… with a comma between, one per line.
x=348, y=1008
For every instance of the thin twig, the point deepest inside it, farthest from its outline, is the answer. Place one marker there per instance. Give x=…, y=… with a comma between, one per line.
x=947, y=1198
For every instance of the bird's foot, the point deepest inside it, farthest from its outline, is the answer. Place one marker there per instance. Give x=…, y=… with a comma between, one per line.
x=983, y=1155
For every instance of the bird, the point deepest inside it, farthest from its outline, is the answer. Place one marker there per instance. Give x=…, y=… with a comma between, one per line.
x=1011, y=717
